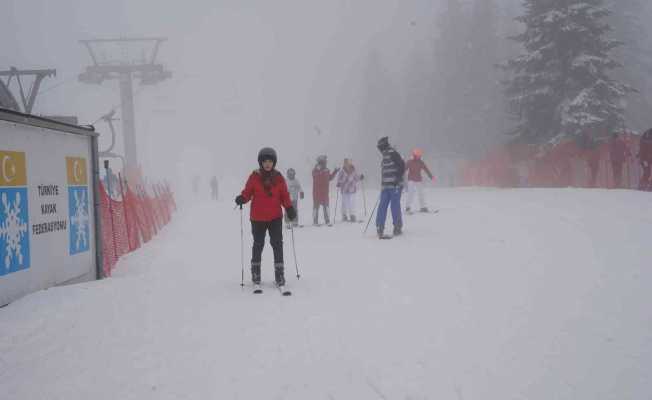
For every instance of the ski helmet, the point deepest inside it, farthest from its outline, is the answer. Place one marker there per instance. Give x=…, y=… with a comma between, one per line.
x=291, y=173
x=322, y=159
x=266, y=153
x=383, y=143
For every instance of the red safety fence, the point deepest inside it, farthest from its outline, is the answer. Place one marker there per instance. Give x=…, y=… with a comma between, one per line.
x=565, y=164
x=132, y=220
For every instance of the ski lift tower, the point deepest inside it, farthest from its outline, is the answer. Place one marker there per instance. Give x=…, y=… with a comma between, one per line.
x=124, y=60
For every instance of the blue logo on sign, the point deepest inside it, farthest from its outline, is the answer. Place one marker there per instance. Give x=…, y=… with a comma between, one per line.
x=79, y=219
x=14, y=229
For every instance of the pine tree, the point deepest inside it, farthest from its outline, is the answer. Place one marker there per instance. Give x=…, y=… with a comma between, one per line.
x=636, y=57
x=561, y=85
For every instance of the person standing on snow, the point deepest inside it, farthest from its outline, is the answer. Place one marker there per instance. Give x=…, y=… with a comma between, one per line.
x=415, y=182
x=347, y=183
x=392, y=170
x=296, y=193
x=321, y=177
x=214, y=187
x=268, y=192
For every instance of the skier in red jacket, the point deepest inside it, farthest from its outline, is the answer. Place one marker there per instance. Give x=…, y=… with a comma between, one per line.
x=268, y=192
x=321, y=178
x=414, y=167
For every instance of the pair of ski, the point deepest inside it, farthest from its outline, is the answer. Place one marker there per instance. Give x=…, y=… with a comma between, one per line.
x=422, y=212
x=258, y=289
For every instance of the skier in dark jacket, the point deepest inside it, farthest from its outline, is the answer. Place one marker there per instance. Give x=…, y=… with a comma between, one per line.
x=392, y=170
x=267, y=190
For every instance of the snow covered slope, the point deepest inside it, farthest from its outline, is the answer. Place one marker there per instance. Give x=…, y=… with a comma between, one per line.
x=505, y=294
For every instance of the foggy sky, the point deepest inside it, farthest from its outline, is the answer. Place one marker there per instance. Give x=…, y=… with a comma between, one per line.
x=246, y=73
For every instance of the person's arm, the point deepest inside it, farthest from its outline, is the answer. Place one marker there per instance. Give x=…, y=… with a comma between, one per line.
x=286, y=202
x=398, y=160
x=301, y=194
x=425, y=168
x=248, y=191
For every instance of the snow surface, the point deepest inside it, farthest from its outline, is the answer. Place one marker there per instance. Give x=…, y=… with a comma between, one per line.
x=505, y=294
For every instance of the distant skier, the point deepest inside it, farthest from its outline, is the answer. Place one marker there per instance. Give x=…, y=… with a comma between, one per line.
x=195, y=184
x=415, y=182
x=321, y=177
x=268, y=191
x=392, y=170
x=214, y=188
x=645, y=157
x=296, y=194
x=347, y=184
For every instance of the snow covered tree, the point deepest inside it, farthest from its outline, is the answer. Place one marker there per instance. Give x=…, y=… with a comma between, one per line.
x=636, y=57
x=561, y=84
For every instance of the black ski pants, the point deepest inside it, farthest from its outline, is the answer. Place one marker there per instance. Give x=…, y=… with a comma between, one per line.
x=275, y=229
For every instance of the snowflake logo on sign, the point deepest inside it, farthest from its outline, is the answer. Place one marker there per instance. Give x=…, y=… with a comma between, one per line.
x=79, y=220
x=13, y=230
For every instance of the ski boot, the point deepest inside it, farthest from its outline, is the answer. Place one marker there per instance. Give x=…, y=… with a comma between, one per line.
x=353, y=219
x=279, y=275
x=255, y=277
x=380, y=232
x=398, y=231
x=424, y=210
x=345, y=218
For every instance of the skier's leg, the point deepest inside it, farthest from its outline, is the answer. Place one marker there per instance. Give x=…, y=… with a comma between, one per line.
x=276, y=240
x=315, y=213
x=295, y=204
x=327, y=217
x=258, y=232
x=397, y=217
x=351, y=211
x=345, y=206
x=381, y=214
x=422, y=197
x=410, y=197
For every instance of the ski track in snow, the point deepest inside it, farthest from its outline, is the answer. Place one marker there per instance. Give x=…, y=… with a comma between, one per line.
x=504, y=294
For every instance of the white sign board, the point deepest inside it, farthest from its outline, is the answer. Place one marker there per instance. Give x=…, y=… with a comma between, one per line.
x=47, y=229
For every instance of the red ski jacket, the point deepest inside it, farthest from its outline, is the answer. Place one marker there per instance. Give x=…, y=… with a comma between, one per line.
x=266, y=206
x=321, y=178
x=414, y=167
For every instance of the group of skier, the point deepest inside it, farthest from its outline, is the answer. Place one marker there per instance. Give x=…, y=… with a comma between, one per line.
x=269, y=193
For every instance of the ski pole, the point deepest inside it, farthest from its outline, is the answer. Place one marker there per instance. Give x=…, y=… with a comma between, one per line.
x=372, y=215
x=241, y=248
x=294, y=251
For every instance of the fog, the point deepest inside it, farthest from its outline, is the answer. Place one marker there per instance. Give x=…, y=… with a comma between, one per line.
x=305, y=77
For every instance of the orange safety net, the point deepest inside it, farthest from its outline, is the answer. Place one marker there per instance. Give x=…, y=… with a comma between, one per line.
x=132, y=220
x=565, y=164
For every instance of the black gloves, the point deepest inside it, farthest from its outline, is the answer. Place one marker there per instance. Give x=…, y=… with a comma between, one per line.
x=239, y=200
x=301, y=195
x=291, y=213
x=362, y=177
